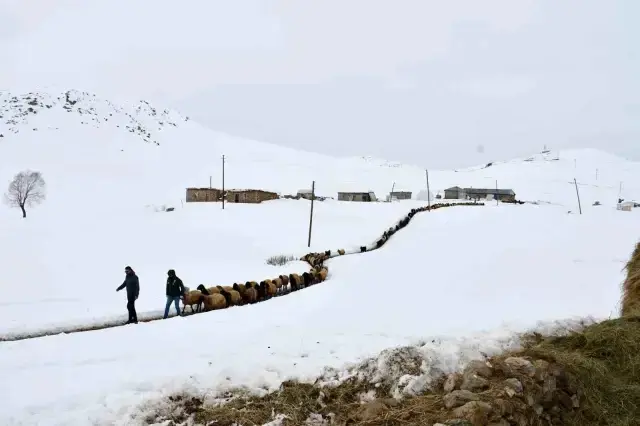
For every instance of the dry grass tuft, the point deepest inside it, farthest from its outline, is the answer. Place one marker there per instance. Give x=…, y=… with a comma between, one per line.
x=631, y=286
x=280, y=260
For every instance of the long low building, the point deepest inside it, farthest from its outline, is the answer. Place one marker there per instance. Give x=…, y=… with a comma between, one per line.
x=457, y=193
x=195, y=195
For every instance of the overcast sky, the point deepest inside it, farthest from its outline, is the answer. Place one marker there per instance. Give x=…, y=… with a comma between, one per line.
x=434, y=83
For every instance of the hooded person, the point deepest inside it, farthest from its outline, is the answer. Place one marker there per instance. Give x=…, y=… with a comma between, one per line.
x=132, y=284
x=175, y=289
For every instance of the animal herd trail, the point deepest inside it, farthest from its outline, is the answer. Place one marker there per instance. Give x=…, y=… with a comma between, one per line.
x=315, y=260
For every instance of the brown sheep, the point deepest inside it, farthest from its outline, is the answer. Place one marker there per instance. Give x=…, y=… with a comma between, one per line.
x=278, y=283
x=266, y=290
x=214, y=301
x=251, y=284
x=285, y=280
x=213, y=290
x=341, y=252
x=240, y=288
x=250, y=295
x=323, y=273
x=232, y=296
x=296, y=282
x=193, y=297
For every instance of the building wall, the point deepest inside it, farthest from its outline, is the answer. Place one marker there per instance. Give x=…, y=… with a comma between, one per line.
x=250, y=196
x=354, y=196
x=203, y=195
x=405, y=195
x=453, y=194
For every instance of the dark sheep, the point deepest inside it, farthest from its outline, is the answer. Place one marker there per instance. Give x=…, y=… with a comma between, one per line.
x=363, y=249
x=307, y=278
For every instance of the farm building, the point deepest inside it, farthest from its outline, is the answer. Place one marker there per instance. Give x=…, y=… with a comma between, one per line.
x=457, y=193
x=400, y=195
x=232, y=195
x=357, y=196
x=304, y=193
x=626, y=206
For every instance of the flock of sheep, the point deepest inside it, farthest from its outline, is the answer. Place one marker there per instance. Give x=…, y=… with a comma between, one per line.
x=220, y=297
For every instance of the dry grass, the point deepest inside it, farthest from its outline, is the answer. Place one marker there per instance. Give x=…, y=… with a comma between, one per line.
x=631, y=286
x=602, y=362
x=280, y=260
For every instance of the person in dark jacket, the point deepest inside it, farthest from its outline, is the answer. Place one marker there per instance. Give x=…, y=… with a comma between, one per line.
x=132, y=284
x=175, y=289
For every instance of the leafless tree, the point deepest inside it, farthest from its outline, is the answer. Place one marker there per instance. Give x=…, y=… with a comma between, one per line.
x=25, y=190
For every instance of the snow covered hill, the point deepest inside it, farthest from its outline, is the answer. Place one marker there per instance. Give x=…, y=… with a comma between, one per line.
x=451, y=279
x=135, y=154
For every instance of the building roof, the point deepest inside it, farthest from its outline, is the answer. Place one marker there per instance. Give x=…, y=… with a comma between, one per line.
x=483, y=191
x=489, y=191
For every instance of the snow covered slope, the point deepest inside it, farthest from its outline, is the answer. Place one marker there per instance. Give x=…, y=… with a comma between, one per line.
x=460, y=279
x=96, y=152
x=455, y=272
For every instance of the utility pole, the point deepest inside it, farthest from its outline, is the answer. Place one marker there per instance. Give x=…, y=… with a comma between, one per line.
x=209, y=182
x=391, y=193
x=596, y=174
x=223, y=194
x=428, y=191
x=577, y=194
x=313, y=196
x=497, y=197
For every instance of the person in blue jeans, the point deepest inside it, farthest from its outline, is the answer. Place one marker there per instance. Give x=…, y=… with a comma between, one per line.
x=175, y=289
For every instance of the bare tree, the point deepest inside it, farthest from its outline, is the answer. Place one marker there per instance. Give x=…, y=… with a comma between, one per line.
x=25, y=190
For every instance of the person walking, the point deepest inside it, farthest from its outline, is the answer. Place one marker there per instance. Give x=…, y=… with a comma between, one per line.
x=175, y=289
x=132, y=283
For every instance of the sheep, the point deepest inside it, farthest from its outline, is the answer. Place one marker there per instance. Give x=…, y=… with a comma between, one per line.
x=213, y=290
x=190, y=298
x=296, y=282
x=232, y=296
x=285, y=280
x=307, y=278
x=266, y=290
x=323, y=273
x=341, y=252
x=278, y=283
x=214, y=301
x=363, y=249
x=250, y=295
x=327, y=253
x=240, y=288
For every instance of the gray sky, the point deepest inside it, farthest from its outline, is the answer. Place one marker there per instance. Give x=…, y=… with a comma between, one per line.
x=433, y=83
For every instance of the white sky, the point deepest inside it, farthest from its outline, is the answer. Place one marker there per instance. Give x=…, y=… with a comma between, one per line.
x=419, y=81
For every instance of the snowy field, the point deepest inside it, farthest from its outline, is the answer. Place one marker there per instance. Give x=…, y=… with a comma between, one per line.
x=461, y=279
x=76, y=265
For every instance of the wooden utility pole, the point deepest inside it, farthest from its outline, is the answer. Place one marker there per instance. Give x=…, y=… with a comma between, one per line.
x=391, y=193
x=577, y=194
x=313, y=196
x=223, y=194
x=428, y=191
x=497, y=195
x=209, y=182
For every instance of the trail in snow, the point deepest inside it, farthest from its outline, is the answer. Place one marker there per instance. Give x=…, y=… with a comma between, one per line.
x=158, y=315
